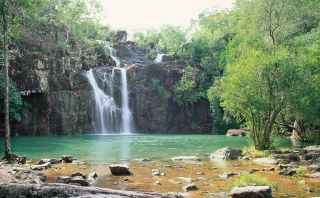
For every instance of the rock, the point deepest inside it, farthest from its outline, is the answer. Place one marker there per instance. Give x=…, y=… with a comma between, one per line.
x=265, y=160
x=63, y=179
x=186, y=158
x=251, y=192
x=226, y=154
x=41, y=167
x=226, y=176
x=314, y=167
x=287, y=172
x=157, y=183
x=79, y=180
x=236, y=132
x=92, y=175
x=199, y=173
x=156, y=172
x=190, y=187
x=51, y=161
x=312, y=148
x=315, y=175
x=119, y=169
x=67, y=159
x=78, y=174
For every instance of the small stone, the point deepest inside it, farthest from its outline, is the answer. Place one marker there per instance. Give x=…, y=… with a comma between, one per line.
x=190, y=187
x=78, y=174
x=199, y=173
x=78, y=180
x=187, y=180
x=287, y=172
x=93, y=175
x=157, y=183
x=236, y=132
x=315, y=175
x=217, y=195
x=156, y=172
x=51, y=161
x=41, y=167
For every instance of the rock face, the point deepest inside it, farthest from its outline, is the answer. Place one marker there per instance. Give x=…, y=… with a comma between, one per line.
x=226, y=154
x=59, y=96
x=252, y=192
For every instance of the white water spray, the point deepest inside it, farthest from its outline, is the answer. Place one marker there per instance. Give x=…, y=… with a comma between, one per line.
x=159, y=58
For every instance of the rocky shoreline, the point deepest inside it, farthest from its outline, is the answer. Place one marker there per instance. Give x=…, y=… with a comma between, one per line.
x=186, y=176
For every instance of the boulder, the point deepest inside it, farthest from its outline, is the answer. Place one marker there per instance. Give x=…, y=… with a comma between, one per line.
x=190, y=187
x=67, y=159
x=119, y=169
x=236, y=132
x=226, y=154
x=92, y=175
x=251, y=192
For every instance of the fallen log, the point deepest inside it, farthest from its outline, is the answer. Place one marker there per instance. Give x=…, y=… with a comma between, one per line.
x=13, y=190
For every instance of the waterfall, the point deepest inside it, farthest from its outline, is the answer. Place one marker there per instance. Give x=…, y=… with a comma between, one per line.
x=126, y=113
x=159, y=58
x=107, y=115
x=106, y=108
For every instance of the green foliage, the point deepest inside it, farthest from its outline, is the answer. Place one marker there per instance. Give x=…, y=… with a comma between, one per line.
x=185, y=90
x=16, y=103
x=301, y=171
x=252, y=180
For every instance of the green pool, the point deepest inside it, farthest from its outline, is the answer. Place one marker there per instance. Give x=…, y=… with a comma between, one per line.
x=114, y=148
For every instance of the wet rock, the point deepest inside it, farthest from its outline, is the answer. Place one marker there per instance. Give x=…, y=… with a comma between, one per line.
x=236, y=132
x=226, y=154
x=265, y=160
x=63, y=179
x=51, y=161
x=67, y=159
x=226, y=176
x=251, y=192
x=190, y=187
x=186, y=158
x=119, y=169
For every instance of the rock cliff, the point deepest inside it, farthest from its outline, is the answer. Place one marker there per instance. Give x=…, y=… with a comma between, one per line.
x=59, y=99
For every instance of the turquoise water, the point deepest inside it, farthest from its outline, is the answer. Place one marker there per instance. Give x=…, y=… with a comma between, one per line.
x=113, y=148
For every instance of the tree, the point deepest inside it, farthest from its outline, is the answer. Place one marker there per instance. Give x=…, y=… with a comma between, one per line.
x=7, y=145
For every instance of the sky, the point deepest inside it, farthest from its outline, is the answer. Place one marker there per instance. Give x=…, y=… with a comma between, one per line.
x=139, y=15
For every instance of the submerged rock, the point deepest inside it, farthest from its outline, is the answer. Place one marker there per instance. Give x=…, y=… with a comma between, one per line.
x=51, y=161
x=252, y=192
x=186, y=158
x=226, y=154
x=119, y=169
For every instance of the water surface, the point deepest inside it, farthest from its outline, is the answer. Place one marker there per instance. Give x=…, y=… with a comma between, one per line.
x=114, y=148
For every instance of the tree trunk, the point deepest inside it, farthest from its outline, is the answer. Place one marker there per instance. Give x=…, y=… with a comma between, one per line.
x=13, y=190
x=7, y=150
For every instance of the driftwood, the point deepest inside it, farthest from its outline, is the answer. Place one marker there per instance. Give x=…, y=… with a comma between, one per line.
x=13, y=190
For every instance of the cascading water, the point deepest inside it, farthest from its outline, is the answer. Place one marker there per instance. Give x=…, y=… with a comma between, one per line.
x=159, y=58
x=108, y=118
